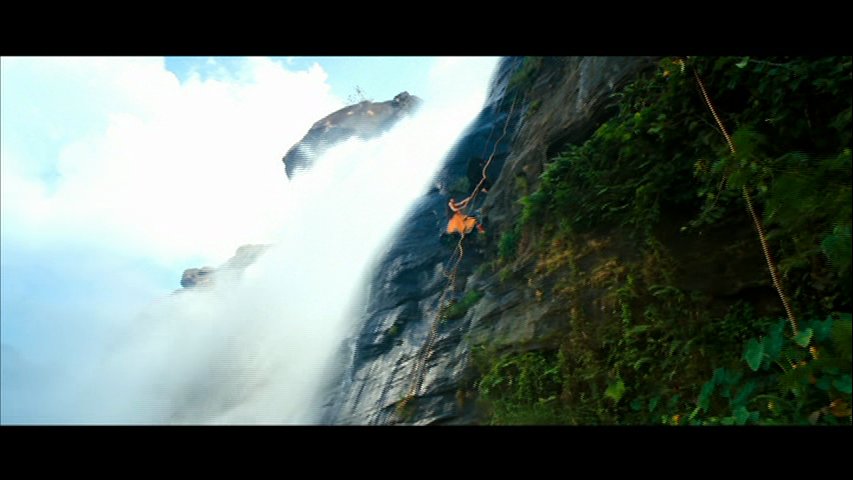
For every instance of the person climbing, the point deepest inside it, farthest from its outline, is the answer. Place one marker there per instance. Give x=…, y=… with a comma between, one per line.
x=461, y=223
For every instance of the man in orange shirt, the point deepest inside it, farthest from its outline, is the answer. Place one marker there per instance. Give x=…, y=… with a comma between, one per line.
x=461, y=223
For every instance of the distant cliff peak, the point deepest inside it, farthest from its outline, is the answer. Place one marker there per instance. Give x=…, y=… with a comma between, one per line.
x=364, y=119
x=205, y=276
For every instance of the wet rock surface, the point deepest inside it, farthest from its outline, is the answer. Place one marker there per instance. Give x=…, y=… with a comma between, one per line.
x=574, y=96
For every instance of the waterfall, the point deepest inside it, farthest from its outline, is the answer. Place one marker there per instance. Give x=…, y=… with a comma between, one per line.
x=166, y=174
x=255, y=346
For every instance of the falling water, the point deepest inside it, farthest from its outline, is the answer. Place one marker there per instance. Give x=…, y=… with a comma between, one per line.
x=255, y=347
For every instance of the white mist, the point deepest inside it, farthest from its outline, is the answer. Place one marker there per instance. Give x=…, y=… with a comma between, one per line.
x=255, y=349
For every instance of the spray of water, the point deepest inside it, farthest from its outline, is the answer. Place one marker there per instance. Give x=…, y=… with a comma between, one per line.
x=255, y=347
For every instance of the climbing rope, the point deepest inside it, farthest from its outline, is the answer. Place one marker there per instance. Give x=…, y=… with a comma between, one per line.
x=762, y=236
x=418, y=367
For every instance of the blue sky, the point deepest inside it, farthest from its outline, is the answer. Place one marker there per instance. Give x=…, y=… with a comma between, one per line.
x=119, y=173
x=380, y=78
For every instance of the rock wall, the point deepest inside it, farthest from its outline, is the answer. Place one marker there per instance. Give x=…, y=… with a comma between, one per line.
x=570, y=99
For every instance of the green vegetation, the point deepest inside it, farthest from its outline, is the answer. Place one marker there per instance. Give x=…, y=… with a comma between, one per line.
x=508, y=244
x=522, y=388
x=800, y=384
x=460, y=187
x=460, y=308
x=524, y=77
x=648, y=349
x=533, y=108
x=640, y=162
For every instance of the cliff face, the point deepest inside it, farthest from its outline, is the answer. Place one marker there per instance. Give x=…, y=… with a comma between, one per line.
x=567, y=102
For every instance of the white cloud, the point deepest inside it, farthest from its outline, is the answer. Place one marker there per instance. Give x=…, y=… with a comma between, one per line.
x=176, y=170
x=443, y=65
x=458, y=81
x=113, y=174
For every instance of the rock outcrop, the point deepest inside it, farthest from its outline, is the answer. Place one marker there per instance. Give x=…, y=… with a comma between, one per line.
x=205, y=276
x=365, y=120
x=193, y=277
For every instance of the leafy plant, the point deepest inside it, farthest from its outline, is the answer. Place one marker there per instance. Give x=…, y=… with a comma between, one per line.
x=508, y=244
x=461, y=186
x=661, y=159
x=793, y=380
x=523, y=77
x=522, y=388
x=460, y=308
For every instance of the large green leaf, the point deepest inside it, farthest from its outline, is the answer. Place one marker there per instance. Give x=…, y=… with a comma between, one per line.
x=615, y=390
x=844, y=384
x=705, y=395
x=822, y=329
x=653, y=403
x=637, y=404
x=842, y=333
x=837, y=248
x=804, y=337
x=775, y=340
x=744, y=394
x=741, y=415
x=754, y=353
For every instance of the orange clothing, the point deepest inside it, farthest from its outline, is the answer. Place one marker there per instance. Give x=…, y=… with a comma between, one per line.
x=461, y=224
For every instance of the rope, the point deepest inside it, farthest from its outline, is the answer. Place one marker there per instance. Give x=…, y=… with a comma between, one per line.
x=476, y=191
x=418, y=368
x=762, y=237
